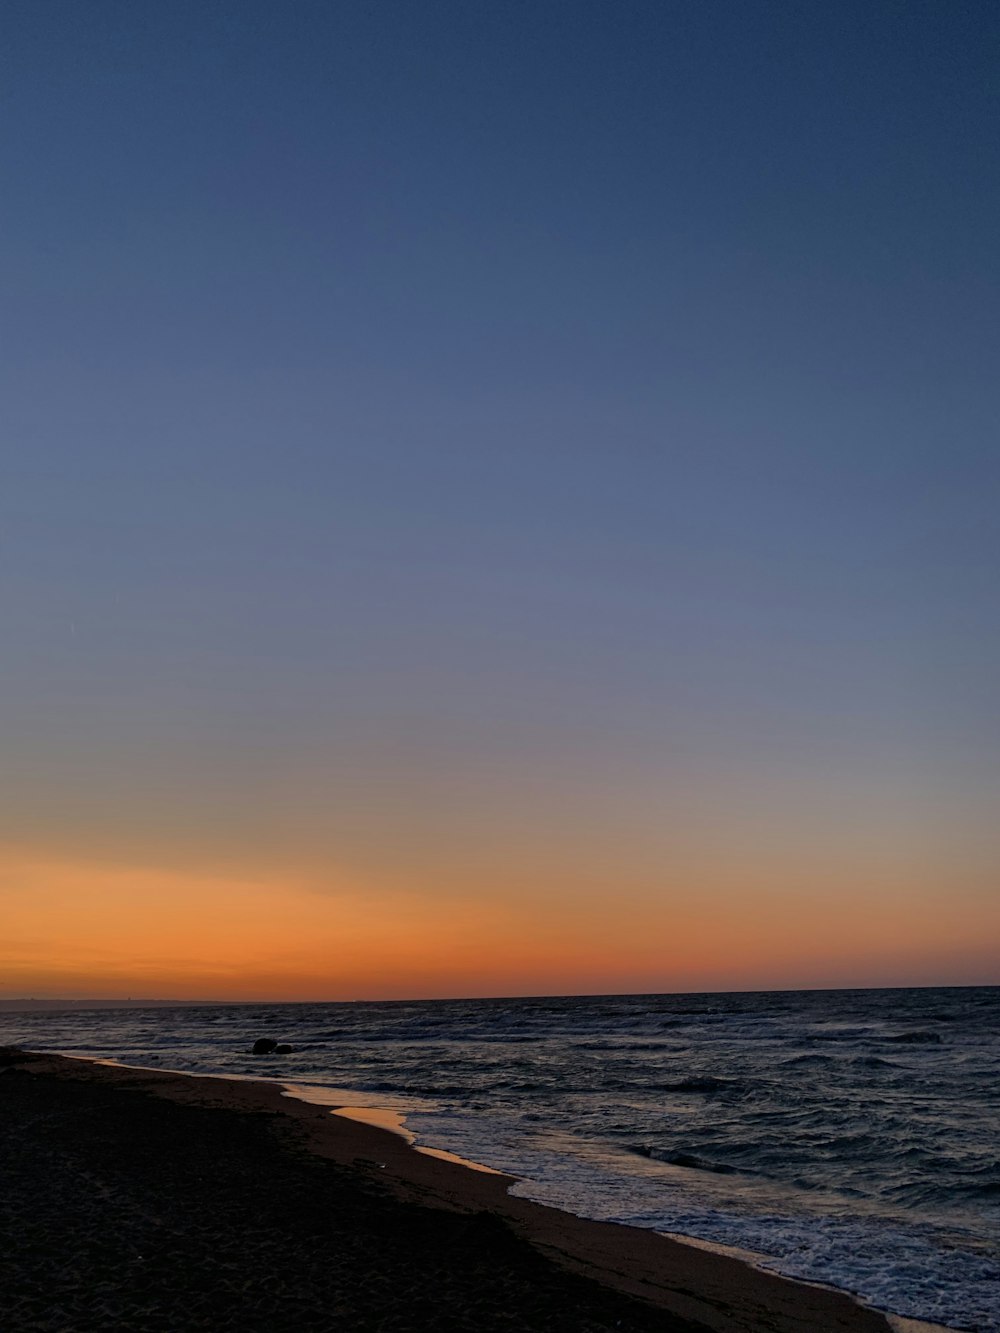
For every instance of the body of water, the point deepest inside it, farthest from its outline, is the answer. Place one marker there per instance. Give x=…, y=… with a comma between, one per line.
x=846, y=1137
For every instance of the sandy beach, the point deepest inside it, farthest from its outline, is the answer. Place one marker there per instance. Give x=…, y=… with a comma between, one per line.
x=136, y=1199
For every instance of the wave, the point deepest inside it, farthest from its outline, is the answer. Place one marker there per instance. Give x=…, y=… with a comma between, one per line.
x=841, y=1034
x=704, y=1084
x=989, y=1189
x=820, y=1061
x=685, y=1159
x=624, y=1047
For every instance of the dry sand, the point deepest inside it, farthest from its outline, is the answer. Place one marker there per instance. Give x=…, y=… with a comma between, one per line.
x=135, y=1199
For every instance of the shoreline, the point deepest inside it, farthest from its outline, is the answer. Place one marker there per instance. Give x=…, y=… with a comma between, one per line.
x=688, y=1286
x=393, y=1122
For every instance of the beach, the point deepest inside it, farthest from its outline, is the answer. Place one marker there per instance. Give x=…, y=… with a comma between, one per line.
x=137, y=1199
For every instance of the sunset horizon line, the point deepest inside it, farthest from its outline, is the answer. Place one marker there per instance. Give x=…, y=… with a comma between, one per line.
x=8, y=1001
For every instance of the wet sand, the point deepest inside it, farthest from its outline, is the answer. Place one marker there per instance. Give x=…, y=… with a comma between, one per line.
x=142, y=1200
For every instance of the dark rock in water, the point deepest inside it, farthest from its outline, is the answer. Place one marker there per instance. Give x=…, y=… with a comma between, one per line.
x=283, y=1049
x=264, y=1046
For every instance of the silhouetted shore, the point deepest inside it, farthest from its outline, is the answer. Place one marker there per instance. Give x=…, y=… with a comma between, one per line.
x=140, y=1200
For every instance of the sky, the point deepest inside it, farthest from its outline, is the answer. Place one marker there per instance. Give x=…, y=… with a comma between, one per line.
x=498, y=498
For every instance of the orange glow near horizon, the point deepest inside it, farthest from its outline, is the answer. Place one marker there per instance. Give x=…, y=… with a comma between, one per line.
x=106, y=930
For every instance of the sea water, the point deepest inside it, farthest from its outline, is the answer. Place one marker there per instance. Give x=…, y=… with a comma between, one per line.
x=845, y=1137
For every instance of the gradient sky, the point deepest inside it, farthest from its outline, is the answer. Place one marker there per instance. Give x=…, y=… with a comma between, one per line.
x=498, y=497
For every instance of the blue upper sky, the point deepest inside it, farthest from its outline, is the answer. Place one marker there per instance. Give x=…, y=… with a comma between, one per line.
x=576, y=403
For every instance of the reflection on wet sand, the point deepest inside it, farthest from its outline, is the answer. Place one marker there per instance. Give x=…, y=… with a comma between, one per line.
x=461, y=1161
x=379, y=1116
x=383, y=1118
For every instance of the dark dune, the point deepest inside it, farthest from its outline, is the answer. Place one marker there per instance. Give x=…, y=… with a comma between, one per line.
x=138, y=1200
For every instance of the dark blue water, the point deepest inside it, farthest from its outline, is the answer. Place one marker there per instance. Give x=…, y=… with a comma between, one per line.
x=849, y=1137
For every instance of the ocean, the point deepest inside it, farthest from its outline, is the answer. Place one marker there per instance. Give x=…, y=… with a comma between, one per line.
x=845, y=1137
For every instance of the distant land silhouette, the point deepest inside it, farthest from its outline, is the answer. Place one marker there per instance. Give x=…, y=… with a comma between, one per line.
x=29, y=1003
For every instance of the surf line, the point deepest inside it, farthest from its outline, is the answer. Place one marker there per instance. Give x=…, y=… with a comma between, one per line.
x=381, y=1117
